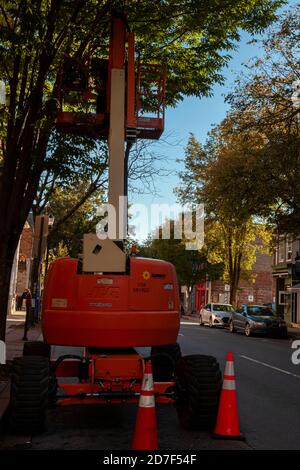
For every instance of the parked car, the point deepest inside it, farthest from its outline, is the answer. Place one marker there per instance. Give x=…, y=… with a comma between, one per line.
x=215, y=314
x=257, y=319
x=272, y=306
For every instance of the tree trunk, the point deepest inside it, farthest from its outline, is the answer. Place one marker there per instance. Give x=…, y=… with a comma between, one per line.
x=7, y=253
x=189, y=300
x=233, y=292
x=235, y=277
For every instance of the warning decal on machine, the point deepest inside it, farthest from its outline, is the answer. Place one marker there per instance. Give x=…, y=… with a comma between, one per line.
x=168, y=286
x=59, y=303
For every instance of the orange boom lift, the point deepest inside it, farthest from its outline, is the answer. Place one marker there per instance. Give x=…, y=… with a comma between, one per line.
x=108, y=304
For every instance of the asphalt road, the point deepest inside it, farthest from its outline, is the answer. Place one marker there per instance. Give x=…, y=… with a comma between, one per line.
x=268, y=384
x=268, y=392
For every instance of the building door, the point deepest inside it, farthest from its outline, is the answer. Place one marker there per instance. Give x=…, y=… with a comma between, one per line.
x=200, y=296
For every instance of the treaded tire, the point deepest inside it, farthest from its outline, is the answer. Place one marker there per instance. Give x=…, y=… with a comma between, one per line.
x=29, y=394
x=36, y=348
x=199, y=382
x=164, y=361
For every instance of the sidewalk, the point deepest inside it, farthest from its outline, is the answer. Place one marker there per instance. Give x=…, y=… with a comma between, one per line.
x=14, y=348
x=293, y=331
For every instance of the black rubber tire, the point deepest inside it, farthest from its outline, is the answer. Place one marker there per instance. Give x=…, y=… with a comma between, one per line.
x=164, y=360
x=199, y=382
x=200, y=320
x=232, y=330
x=210, y=323
x=36, y=348
x=29, y=394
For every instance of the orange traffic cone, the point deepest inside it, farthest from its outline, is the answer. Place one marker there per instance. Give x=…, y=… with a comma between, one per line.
x=227, y=426
x=145, y=433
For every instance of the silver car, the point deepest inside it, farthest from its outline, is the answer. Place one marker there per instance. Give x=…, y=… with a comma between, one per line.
x=215, y=314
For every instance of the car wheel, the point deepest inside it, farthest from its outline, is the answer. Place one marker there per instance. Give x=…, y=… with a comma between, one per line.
x=231, y=327
x=200, y=320
x=247, y=330
x=210, y=323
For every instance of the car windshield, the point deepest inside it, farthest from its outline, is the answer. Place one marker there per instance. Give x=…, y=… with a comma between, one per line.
x=223, y=308
x=260, y=311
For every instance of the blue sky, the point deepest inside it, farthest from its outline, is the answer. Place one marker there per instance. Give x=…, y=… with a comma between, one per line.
x=197, y=116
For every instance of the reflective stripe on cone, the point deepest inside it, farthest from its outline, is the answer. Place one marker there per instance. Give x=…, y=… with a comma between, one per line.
x=145, y=433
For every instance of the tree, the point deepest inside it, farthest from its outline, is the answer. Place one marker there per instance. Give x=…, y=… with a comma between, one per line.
x=250, y=164
x=192, y=266
x=264, y=116
x=262, y=95
x=190, y=37
x=237, y=247
x=231, y=236
x=69, y=235
x=69, y=161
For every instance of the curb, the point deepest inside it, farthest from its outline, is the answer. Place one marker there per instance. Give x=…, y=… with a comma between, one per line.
x=191, y=318
x=294, y=334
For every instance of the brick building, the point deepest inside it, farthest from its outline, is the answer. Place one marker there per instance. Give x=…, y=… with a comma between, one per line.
x=286, y=274
x=260, y=290
x=21, y=267
x=24, y=261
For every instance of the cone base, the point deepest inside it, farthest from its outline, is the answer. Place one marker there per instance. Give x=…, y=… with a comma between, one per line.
x=220, y=437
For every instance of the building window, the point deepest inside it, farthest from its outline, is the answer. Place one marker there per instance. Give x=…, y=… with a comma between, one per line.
x=276, y=255
x=289, y=249
x=283, y=297
x=281, y=251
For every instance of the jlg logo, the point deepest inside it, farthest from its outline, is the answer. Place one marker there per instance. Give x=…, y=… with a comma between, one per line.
x=296, y=354
x=2, y=352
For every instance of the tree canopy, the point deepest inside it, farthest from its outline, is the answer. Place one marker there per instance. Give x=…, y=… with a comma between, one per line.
x=214, y=175
x=248, y=169
x=192, y=266
x=264, y=120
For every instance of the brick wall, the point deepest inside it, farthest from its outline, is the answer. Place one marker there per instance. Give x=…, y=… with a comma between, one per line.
x=21, y=282
x=26, y=242
x=24, y=259
x=262, y=288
